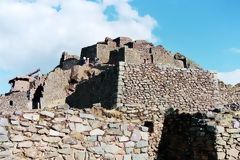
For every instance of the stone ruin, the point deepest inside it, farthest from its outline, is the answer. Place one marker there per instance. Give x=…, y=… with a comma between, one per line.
x=112, y=51
x=129, y=100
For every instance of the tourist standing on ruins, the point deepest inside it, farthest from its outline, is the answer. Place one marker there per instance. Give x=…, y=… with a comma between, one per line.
x=37, y=97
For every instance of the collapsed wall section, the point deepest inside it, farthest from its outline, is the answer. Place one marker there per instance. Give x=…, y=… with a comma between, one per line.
x=55, y=88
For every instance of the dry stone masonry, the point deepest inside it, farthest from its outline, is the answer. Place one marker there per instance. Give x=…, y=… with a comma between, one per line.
x=70, y=134
x=130, y=100
x=212, y=135
x=152, y=86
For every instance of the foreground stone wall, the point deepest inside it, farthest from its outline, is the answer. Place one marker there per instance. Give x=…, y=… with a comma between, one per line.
x=150, y=88
x=188, y=137
x=70, y=134
x=200, y=136
x=227, y=130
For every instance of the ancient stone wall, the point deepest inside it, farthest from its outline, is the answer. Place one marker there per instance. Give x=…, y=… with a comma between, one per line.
x=186, y=136
x=200, y=136
x=121, y=41
x=164, y=57
x=151, y=87
x=100, y=50
x=100, y=88
x=136, y=52
x=20, y=85
x=17, y=100
x=230, y=95
x=70, y=134
x=55, y=88
x=89, y=52
x=145, y=92
x=67, y=61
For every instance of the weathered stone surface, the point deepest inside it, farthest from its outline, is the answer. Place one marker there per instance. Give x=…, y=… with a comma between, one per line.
x=221, y=155
x=127, y=157
x=123, y=139
x=51, y=139
x=25, y=123
x=140, y=157
x=220, y=129
x=4, y=138
x=4, y=122
x=80, y=155
x=3, y=131
x=97, y=132
x=43, y=131
x=144, y=135
x=129, y=144
x=54, y=133
x=31, y=153
x=97, y=150
x=82, y=128
x=48, y=114
x=31, y=116
x=221, y=142
x=236, y=124
x=136, y=136
x=25, y=144
x=87, y=116
x=32, y=129
x=141, y=144
x=18, y=138
x=113, y=149
x=51, y=155
x=233, y=153
x=69, y=140
x=4, y=154
x=66, y=151
x=36, y=138
x=75, y=119
x=233, y=130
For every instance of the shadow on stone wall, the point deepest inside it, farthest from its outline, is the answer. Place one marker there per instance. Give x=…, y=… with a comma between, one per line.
x=116, y=56
x=98, y=89
x=186, y=137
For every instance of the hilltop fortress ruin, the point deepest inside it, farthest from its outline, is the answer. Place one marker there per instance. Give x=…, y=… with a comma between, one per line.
x=154, y=104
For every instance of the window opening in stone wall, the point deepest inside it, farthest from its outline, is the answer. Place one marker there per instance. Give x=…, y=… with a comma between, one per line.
x=149, y=124
x=11, y=103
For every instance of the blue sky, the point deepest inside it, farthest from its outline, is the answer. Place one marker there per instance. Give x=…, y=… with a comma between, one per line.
x=206, y=31
x=34, y=34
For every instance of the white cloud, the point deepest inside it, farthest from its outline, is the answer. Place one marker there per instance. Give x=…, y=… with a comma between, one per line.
x=33, y=34
x=235, y=50
x=232, y=77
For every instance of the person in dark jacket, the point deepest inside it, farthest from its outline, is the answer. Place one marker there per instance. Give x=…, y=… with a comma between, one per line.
x=37, y=97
